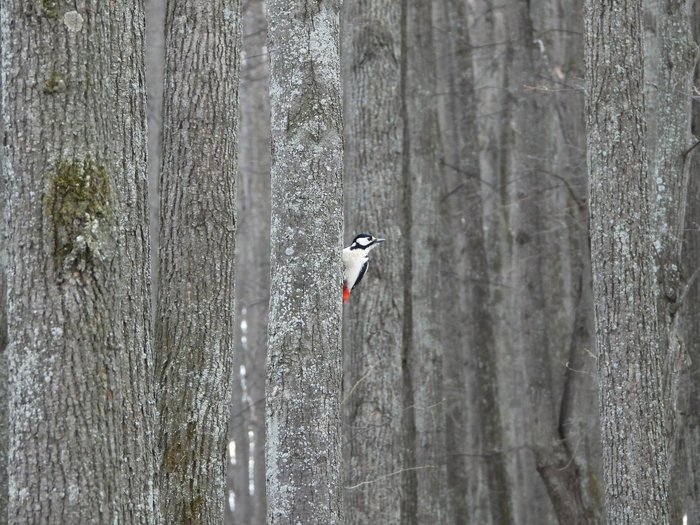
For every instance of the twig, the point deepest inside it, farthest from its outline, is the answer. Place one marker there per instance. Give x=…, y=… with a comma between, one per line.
x=388, y=476
x=357, y=383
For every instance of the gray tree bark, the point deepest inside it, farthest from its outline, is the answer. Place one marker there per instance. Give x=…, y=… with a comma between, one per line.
x=529, y=122
x=4, y=427
x=424, y=419
x=137, y=381
x=195, y=316
x=670, y=56
x=631, y=367
x=689, y=326
x=252, y=271
x=689, y=330
x=477, y=480
x=81, y=404
x=304, y=361
x=374, y=317
x=553, y=453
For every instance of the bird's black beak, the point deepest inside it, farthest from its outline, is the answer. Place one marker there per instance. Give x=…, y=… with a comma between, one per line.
x=377, y=241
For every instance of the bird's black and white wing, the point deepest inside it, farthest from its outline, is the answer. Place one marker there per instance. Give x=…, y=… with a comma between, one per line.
x=363, y=270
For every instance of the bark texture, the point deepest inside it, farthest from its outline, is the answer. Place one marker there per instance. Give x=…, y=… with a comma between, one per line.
x=635, y=452
x=669, y=63
x=195, y=315
x=689, y=327
x=4, y=427
x=81, y=403
x=424, y=419
x=374, y=317
x=304, y=362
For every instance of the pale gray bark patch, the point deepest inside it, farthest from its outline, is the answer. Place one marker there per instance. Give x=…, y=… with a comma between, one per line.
x=373, y=324
x=195, y=311
x=631, y=367
x=304, y=361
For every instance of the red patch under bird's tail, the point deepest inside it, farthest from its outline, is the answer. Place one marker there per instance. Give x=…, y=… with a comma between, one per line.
x=346, y=293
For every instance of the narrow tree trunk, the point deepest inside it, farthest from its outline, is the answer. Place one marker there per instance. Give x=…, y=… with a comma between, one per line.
x=669, y=63
x=137, y=363
x=424, y=420
x=304, y=361
x=80, y=405
x=4, y=427
x=373, y=329
x=253, y=266
x=238, y=479
x=689, y=328
x=194, y=321
x=635, y=452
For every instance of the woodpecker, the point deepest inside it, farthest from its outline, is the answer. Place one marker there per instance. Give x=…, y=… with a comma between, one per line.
x=356, y=261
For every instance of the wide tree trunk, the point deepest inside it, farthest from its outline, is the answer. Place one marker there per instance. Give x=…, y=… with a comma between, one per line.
x=373, y=327
x=304, y=360
x=631, y=366
x=81, y=399
x=537, y=325
x=477, y=480
x=195, y=316
x=424, y=415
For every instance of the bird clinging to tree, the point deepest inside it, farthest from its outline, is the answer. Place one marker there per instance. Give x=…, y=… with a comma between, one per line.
x=356, y=261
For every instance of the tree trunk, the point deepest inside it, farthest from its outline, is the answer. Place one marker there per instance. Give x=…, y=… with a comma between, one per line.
x=4, y=427
x=669, y=63
x=477, y=480
x=535, y=330
x=424, y=420
x=689, y=329
x=80, y=404
x=304, y=360
x=373, y=328
x=252, y=268
x=631, y=366
x=689, y=325
x=139, y=456
x=195, y=317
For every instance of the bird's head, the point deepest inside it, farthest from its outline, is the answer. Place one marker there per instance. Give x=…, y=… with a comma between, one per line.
x=365, y=242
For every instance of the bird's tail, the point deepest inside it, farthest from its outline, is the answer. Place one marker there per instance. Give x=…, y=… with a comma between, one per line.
x=346, y=293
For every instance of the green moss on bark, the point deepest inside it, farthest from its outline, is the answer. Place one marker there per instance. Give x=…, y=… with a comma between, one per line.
x=55, y=83
x=49, y=8
x=80, y=206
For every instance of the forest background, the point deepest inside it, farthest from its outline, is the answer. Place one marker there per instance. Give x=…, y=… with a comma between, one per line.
x=532, y=165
